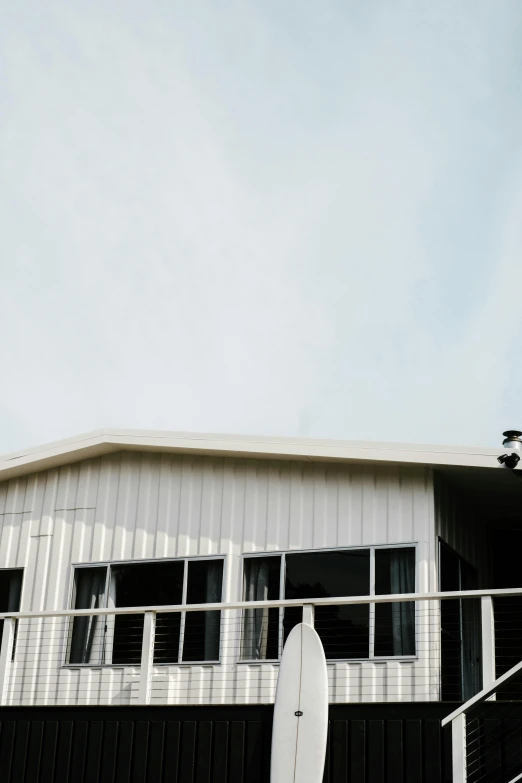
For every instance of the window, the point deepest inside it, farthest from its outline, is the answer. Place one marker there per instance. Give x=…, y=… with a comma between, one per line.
x=261, y=626
x=87, y=637
x=117, y=639
x=10, y=592
x=347, y=632
x=394, y=623
x=460, y=640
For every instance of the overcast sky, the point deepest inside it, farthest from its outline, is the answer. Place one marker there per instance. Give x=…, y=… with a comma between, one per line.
x=294, y=218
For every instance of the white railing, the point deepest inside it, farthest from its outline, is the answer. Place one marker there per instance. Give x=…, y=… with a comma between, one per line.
x=457, y=721
x=36, y=666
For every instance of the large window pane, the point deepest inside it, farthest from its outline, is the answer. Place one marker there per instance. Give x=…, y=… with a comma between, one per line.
x=460, y=640
x=261, y=626
x=344, y=630
x=202, y=629
x=395, y=623
x=87, y=636
x=146, y=584
x=10, y=592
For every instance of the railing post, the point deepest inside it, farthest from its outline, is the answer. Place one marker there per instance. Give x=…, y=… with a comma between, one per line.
x=147, y=657
x=458, y=751
x=308, y=614
x=6, y=654
x=488, y=640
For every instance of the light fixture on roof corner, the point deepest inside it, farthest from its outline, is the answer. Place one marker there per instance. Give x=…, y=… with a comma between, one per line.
x=513, y=442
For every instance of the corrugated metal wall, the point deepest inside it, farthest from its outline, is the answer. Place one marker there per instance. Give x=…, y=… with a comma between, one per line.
x=460, y=526
x=366, y=744
x=131, y=506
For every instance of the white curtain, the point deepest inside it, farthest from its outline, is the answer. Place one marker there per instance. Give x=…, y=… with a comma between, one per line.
x=255, y=631
x=89, y=595
x=213, y=619
x=402, y=579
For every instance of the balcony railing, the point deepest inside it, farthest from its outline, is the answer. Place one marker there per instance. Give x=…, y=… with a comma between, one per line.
x=407, y=647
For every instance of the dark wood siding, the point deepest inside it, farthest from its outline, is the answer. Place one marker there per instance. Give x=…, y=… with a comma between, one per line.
x=376, y=743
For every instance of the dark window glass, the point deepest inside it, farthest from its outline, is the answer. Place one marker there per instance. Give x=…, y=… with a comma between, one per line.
x=202, y=629
x=344, y=630
x=395, y=623
x=146, y=584
x=88, y=633
x=460, y=642
x=10, y=592
x=451, y=631
x=261, y=626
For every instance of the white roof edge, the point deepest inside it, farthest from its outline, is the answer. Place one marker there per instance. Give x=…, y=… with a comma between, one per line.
x=105, y=441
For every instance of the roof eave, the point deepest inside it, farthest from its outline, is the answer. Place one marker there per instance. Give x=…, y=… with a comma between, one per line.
x=101, y=442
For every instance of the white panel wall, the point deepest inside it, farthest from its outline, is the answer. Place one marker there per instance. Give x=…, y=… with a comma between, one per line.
x=132, y=506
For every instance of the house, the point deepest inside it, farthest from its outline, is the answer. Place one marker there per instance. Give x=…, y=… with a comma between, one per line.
x=117, y=519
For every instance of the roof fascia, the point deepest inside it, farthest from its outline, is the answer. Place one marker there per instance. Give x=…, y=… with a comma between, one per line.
x=101, y=442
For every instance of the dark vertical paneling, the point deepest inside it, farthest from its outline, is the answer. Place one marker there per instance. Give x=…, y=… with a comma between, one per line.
x=220, y=766
x=366, y=744
x=172, y=748
x=124, y=757
x=20, y=751
x=34, y=752
x=204, y=752
x=156, y=751
x=7, y=738
x=50, y=744
x=490, y=755
x=395, y=751
x=432, y=752
x=511, y=749
x=338, y=756
x=109, y=753
x=446, y=755
x=94, y=752
x=140, y=752
x=188, y=751
x=237, y=751
x=63, y=750
x=79, y=751
x=376, y=751
x=254, y=752
x=357, y=751
x=413, y=748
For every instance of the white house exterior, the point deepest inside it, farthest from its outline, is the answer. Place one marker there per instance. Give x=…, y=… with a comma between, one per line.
x=112, y=499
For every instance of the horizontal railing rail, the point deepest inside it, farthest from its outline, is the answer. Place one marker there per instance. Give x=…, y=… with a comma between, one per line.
x=389, y=598
x=227, y=652
x=483, y=695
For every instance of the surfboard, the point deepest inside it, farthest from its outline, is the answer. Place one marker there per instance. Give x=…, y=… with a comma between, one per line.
x=301, y=710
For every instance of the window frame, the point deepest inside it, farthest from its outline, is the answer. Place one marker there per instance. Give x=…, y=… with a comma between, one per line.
x=16, y=568
x=371, y=622
x=15, y=636
x=108, y=564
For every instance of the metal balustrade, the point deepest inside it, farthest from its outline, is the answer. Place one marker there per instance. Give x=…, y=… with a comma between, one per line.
x=487, y=746
x=228, y=653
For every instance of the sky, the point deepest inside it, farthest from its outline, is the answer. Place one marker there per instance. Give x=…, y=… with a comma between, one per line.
x=299, y=219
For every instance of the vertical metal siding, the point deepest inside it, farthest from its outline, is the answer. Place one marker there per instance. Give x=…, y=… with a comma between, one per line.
x=232, y=745
x=459, y=525
x=143, y=505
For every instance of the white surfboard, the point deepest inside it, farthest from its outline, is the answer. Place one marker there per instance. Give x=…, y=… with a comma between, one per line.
x=301, y=710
